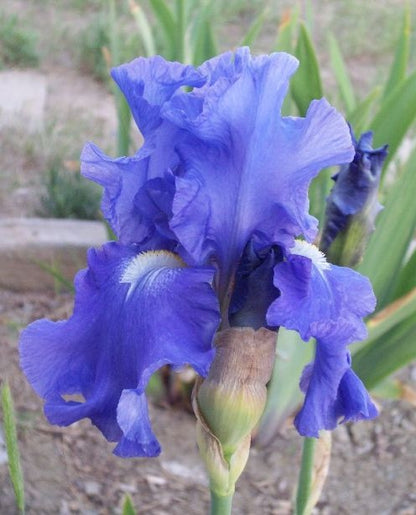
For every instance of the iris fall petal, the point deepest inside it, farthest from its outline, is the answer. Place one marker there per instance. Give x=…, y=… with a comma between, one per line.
x=113, y=342
x=328, y=303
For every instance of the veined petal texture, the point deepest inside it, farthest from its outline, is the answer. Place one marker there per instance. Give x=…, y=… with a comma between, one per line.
x=134, y=312
x=246, y=169
x=241, y=170
x=121, y=179
x=326, y=302
x=147, y=83
x=320, y=300
x=221, y=180
x=333, y=392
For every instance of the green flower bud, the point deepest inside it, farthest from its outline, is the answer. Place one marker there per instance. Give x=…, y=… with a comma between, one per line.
x=223, y=473
x=231, y=400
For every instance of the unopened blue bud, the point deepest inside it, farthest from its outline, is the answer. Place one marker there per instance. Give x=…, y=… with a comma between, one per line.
x=352, y=205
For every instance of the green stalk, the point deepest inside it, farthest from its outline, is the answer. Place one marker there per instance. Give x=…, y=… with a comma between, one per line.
x=221, y=505
x=305, y=476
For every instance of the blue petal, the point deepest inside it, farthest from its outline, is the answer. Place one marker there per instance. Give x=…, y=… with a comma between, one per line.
x=154, y=203
x=134, y=312
x=356, y=181
x=223, y=66
x=136, y=209
x=334, y=393
x=133, y=419
x=321, y=300
x=246, y=170
x=353, y=402
x=121, y=179
x=328, y=303
x=320, y=382
x=148, y=83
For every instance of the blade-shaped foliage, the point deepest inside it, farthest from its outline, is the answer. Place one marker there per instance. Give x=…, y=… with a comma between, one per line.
x=167, y=24
x=254, y=29
x=144, y=28
x=128, y=508
x=205, y=45
x=340, y=71
x=284, y=394
x=286, y=32
x=387, y=354
x=390, y=316
x=122, y=108
x=391, y=343
x=395, y=228
x=318, y=192
x=407, y=277
x=395, y=389
x=395, y=116
x=306, y=83
x=401, y=58
x=180, y=31
x=285, y=43
x=10, y=432
x=202, y=41
x=359, y=117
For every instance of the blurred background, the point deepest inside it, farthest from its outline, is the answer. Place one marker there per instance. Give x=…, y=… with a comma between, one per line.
x=56, y=93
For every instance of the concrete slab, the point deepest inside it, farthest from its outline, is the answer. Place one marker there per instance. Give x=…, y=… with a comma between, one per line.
x=22, y=98
x=31, y=247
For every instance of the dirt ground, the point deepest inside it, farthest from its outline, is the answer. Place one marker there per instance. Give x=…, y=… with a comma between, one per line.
x=71, y=470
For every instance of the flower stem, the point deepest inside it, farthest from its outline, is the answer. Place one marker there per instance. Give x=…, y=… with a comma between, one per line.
x=305, y=476
x=221, y=505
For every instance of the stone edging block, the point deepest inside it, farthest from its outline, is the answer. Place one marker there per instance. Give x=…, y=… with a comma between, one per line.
x=29, y=245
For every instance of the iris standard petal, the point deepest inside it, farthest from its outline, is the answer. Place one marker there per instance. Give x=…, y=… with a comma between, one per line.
x=121, y=179
x=247, y=169
x=134, y=312
x=138, y=193
x=148, y=83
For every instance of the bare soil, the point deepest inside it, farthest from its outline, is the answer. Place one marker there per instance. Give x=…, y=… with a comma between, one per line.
x=72, y=471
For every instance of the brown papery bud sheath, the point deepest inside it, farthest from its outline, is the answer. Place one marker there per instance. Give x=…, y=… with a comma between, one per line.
x=230, y=401
x=232, y=397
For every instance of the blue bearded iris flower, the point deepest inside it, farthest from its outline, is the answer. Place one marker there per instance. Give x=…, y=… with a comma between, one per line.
x=206, y=214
